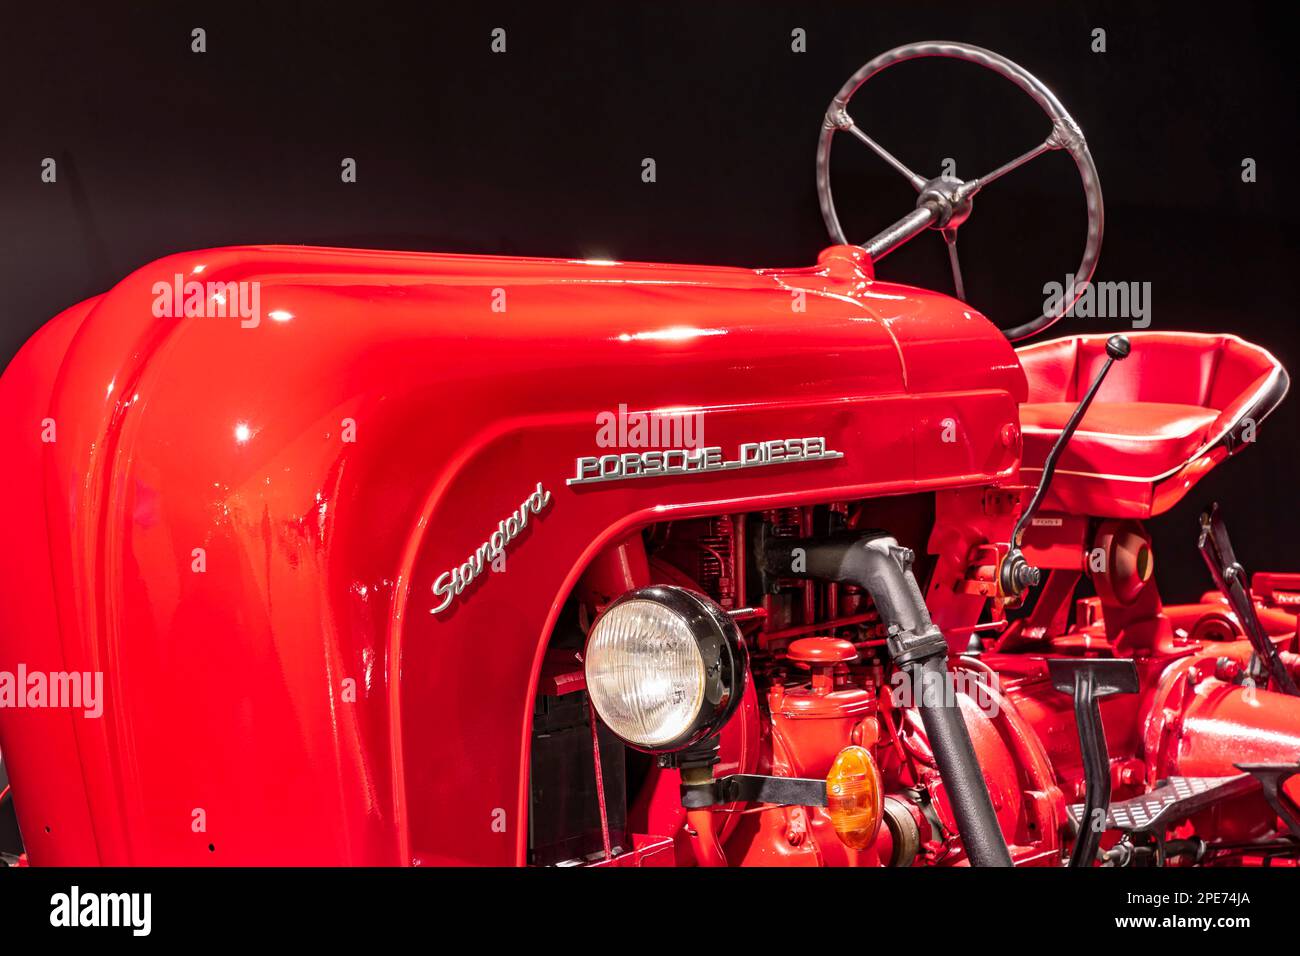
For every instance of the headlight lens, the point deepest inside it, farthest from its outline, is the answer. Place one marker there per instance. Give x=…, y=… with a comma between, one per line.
x=665, y=668
x=645, y=673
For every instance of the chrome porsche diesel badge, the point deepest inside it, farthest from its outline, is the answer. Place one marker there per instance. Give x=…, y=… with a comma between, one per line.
x=695, y=461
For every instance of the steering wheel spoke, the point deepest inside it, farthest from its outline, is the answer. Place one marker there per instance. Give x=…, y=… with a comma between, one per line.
x=973, y=186
x=845, y=122
x=950, y=240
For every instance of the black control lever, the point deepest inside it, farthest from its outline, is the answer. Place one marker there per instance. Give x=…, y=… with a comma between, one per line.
x=1017, y=574
x=1087, y=681
x=1230, y=577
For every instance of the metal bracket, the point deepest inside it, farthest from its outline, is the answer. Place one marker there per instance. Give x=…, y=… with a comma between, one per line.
x=755, y=788
x=1271, y=777
x=908, y=647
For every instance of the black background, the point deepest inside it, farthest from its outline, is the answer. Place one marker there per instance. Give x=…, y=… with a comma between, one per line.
x=538, y=152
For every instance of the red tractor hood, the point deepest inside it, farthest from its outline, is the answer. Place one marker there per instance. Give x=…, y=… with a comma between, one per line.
x=232, y=517
x=486, y=338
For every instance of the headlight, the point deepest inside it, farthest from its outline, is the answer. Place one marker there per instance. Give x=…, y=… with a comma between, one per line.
x=665, y=668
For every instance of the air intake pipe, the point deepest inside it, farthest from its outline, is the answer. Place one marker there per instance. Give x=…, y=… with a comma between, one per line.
x=875, y=562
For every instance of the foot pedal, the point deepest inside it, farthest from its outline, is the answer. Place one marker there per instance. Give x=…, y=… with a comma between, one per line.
x=1088, y=681
x=1176, y=799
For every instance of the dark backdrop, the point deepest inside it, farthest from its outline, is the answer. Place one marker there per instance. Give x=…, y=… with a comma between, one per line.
x=538, y=151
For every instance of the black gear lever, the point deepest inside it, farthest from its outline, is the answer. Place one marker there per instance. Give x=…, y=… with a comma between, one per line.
x=1018, y=575
x=1230, y=577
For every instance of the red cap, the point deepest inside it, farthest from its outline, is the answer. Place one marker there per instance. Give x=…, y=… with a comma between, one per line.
x=822, y=650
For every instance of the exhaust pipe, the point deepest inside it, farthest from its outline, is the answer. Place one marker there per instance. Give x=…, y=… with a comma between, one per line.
x=875, y=562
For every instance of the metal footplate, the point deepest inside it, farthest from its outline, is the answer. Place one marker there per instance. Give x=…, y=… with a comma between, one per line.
x=1174, y=800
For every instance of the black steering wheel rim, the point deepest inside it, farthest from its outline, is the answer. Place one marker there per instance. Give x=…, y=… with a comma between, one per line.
x=1065, y=134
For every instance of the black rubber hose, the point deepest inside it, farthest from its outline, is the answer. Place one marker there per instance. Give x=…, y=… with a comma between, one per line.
x=875, y=562
x=954, y=755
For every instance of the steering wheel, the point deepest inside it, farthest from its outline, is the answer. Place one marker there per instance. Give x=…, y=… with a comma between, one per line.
x=944, y=203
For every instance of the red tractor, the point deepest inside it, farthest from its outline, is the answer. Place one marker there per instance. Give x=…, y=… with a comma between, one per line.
x=328, y=556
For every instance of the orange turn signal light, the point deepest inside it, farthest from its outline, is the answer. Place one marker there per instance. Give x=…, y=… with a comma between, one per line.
x=854, y=797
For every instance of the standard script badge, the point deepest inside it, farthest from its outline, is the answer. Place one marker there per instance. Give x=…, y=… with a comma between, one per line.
x=698, y=461
x=451, y=583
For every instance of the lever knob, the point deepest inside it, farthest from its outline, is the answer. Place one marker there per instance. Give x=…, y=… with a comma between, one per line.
x=1118, y=347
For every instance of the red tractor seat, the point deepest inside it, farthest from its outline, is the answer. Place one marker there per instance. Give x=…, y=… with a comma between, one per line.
x=1176, y=407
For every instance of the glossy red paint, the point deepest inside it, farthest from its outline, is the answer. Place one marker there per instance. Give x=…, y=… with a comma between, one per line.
x=1157, y=425
x=248, y=527
x=229, y=673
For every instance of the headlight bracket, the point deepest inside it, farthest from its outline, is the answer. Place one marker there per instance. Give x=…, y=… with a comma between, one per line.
x=754, y=788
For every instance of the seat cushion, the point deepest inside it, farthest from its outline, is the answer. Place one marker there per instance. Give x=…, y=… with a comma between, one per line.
x=1162, y=419
x=1130, y=439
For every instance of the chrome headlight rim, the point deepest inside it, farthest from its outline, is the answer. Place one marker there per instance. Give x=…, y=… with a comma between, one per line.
x=722, y=650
